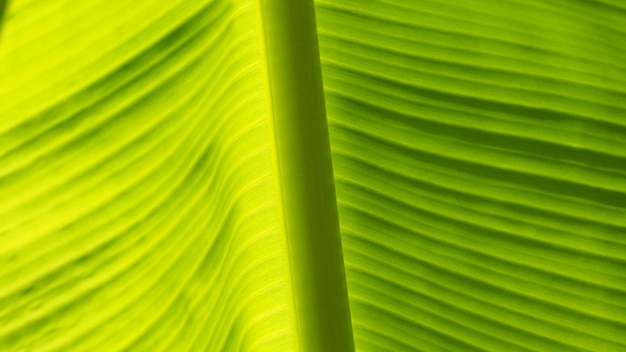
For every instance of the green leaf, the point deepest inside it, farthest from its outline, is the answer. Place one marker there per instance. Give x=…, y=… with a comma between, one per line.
x=166, y=180
x=138, y=208
x=479, y=149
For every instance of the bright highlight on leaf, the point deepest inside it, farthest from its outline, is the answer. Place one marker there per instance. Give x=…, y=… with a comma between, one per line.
x=166, y=180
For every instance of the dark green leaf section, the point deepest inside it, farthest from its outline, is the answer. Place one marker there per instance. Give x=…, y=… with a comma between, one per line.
x=3, y=5
x=479, y=150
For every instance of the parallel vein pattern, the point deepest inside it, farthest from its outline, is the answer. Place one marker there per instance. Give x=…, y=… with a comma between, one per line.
x=480, y=157
x=137, y=200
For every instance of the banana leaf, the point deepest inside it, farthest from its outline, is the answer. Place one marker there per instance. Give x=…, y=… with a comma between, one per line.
x=276, y=175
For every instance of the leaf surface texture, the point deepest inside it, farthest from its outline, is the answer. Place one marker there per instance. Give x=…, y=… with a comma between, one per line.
x=479, y=150
x=138, y=209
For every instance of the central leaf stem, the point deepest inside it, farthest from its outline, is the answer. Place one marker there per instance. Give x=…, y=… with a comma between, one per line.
x=306, y=176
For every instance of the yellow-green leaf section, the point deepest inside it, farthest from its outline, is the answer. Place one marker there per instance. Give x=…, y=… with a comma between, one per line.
x=138, y=207
x=479, y=149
